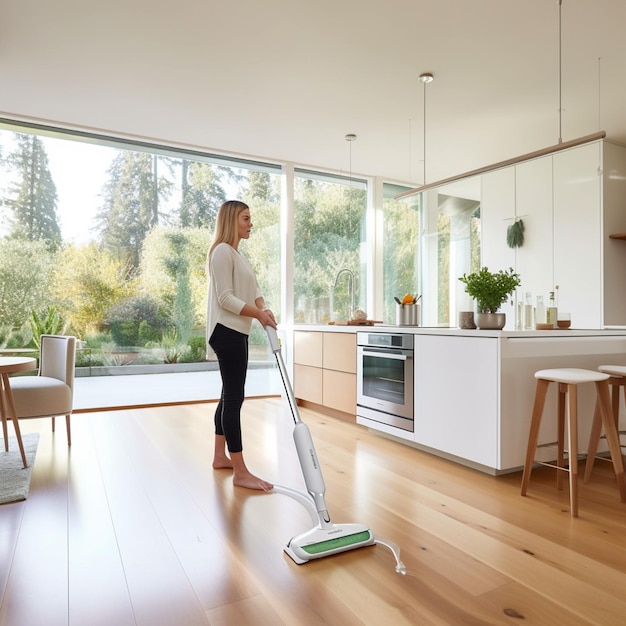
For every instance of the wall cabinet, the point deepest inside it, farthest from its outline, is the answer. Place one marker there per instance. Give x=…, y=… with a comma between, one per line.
x=570, y=202
x=325, y=369
x=578, y=246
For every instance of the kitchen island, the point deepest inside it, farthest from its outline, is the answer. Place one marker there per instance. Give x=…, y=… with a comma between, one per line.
x=474, y=389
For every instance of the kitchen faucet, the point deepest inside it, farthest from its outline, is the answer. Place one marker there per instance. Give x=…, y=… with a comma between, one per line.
x=350, y=288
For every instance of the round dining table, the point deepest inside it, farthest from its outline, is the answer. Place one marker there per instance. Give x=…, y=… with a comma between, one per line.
x=11, y=365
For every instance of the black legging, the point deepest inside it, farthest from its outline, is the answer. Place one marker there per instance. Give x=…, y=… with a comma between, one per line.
x=231, y=348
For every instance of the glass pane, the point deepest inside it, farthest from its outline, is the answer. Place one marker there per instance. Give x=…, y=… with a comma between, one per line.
x=329, y=237
x=401, y=254
x=451, y=243
x=119, y=234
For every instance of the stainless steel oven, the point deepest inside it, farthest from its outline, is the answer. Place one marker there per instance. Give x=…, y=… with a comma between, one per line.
x=385, y=379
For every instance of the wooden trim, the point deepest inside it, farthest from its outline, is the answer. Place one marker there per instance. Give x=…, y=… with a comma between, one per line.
x=327, y=410
x=158, y=404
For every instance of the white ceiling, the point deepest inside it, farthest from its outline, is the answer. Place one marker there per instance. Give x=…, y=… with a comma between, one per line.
x=287, y=79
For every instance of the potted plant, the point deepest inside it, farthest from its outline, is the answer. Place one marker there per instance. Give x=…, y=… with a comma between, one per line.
x=490, y=290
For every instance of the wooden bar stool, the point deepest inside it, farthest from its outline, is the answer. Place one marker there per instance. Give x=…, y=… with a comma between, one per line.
x=617, y=379
x=568, y=379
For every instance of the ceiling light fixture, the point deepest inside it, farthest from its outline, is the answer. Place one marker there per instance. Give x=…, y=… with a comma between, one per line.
x=350, y=137
x=425, y=78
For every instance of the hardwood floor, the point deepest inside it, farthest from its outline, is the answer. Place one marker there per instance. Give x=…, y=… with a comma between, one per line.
x=132, y=526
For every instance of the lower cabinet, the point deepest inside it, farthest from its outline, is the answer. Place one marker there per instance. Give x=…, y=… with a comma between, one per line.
x=339, y=391
x=457, y=396
x=308, y=383
x=325, y=369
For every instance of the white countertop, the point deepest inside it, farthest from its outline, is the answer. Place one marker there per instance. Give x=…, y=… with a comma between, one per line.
x=461, y=332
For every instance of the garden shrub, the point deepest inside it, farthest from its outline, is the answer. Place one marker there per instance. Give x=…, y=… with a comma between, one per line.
x=197, y=350
x=126, y=318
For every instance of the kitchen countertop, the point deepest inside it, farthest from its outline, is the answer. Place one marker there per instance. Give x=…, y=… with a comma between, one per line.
x=461, y=332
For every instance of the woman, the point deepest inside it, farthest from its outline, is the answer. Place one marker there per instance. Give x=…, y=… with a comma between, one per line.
x=234, y=300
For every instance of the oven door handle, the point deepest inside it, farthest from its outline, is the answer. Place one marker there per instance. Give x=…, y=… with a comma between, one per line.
x=400, y=355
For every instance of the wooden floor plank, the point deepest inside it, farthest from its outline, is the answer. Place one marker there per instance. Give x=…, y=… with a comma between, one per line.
x=132, y=526
x=97, y=576
x=11, y=515
x=37, y=589
x=149, y=560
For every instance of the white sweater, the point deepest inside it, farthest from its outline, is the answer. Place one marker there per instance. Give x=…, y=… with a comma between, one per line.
x=231, y=284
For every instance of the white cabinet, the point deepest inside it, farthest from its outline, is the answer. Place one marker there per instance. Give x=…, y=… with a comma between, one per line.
x=523, y=191
x=457, y=397
x=497, y=208
x=474, y=394
x=533, y=184
x=577, y=251
x=570, y=202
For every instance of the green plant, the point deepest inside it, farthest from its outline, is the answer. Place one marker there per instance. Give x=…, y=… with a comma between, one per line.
x=173, y=348
x=197, y=350
x=50, y=324
x=490, y=289
x=515, y=234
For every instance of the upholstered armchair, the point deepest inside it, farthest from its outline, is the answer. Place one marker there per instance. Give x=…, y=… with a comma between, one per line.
x=51, y=392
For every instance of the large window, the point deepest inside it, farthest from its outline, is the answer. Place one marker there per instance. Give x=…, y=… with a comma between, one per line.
x=430, y=239
x=108, y=240
x=329, y=238
x=450, y=247
x=401, y=249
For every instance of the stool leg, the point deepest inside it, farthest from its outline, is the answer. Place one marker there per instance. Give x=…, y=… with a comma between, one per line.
x=594, y=439
x=612, y=437
x=615, y=385
x=572, y=431
x=560, y=433
x=533, y=435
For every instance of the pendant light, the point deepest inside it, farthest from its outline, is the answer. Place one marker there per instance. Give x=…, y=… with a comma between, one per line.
x=350, y=138
x=425, y=78
x=560, y=140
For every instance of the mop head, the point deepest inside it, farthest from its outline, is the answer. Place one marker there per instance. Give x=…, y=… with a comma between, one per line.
x=320, y=542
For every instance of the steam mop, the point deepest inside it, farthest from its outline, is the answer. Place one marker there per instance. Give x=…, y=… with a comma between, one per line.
x=325, y=538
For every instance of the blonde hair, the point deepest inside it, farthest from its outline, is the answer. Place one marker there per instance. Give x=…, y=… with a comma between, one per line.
x=226, y=230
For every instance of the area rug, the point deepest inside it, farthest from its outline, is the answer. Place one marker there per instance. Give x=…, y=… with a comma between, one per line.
x=14, y=477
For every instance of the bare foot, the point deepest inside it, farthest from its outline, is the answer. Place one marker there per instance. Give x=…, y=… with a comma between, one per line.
x=222, y=462
x=250, y=481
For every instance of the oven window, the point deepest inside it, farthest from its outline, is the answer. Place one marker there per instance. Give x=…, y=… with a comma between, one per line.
x=384, y=379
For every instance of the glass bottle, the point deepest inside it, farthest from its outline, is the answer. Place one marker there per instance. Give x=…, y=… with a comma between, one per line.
x=529, y=321
x=552, y=315
x=519, y=311
x=540, y=311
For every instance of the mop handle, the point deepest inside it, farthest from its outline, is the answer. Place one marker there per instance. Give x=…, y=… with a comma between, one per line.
x=302, y=437
x=272, y=336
